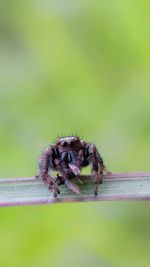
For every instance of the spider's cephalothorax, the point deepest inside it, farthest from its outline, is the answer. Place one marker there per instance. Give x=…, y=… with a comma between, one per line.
x=68, y=156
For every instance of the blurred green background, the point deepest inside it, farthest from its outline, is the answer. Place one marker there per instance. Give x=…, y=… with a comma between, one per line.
x=75, y=67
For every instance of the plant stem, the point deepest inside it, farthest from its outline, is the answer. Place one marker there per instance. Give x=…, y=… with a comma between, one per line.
x=30, y=191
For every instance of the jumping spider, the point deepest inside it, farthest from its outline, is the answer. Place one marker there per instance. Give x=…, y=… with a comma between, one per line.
x=68, y=156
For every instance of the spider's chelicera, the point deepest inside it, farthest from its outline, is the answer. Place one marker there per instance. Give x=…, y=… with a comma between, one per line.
x=67, y=157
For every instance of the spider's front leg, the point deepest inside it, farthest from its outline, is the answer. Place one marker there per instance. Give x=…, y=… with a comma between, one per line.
x=98, y=166
x=47, y=162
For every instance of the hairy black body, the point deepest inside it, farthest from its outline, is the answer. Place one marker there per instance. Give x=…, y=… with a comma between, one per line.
x=68, y=156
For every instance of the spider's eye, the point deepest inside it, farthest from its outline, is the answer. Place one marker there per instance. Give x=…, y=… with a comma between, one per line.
x=72, y=143
x=64, y=144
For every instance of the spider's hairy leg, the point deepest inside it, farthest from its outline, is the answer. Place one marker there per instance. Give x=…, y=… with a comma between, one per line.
x=102, y=167
x=80, y=158
x=46, y=162
x=98, y=166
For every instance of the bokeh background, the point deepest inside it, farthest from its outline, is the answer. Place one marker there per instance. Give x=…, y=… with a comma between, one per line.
x=70, y=67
